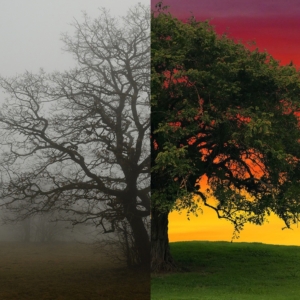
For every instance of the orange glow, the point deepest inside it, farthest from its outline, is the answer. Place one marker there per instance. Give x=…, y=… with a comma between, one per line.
x=171, y=77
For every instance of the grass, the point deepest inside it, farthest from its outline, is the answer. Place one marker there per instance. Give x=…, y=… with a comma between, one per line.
x=65, y=271
x=231, y=271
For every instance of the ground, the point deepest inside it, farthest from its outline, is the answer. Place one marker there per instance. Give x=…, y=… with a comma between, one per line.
x=66, y=271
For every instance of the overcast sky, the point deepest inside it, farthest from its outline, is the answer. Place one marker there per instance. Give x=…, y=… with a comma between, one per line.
x=30, y=31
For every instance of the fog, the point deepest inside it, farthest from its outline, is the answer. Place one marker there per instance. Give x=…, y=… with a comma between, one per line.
x=44, y=228
x=65, y=214
x=31, y=31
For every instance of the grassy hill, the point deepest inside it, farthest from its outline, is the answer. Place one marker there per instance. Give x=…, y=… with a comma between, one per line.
x=235, y=271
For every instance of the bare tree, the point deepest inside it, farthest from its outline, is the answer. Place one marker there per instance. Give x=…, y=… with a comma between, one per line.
x=78, y=141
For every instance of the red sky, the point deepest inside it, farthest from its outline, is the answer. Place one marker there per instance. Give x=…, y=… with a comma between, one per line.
x=273, y=24
x=275, y=27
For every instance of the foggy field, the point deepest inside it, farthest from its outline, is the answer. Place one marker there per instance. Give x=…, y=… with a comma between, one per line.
x=65, y=271
x=230, y=271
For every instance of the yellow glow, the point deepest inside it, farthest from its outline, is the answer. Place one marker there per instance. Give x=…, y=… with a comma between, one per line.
x=208, y=227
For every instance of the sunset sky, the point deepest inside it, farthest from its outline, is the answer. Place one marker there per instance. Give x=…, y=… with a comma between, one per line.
x=274, y=25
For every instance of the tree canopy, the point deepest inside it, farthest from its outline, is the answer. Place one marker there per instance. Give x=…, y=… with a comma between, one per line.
x=225, y=128
x=78, y=142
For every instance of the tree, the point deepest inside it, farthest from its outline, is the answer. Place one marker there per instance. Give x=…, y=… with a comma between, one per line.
x=78, y=142
x=225, y=130
x=119, y=247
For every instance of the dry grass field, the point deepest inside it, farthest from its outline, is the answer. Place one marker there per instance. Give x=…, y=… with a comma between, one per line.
x=66, y=271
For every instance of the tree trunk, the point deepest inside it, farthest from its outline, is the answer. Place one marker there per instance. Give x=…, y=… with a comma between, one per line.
x=161, y=259
x=141, y=239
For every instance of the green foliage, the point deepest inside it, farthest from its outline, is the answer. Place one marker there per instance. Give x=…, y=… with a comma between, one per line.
x=223, y=111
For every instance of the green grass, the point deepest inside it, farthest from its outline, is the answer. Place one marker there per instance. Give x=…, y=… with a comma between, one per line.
x=66, y=271
x=231, y=271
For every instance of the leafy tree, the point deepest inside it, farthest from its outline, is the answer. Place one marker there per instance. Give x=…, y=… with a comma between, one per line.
x=225, y=130
x=78, y=142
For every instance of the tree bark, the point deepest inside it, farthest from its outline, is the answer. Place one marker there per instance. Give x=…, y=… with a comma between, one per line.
x=141, y=239
x=161, y=258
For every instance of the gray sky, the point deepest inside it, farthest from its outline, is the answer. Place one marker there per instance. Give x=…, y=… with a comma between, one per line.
x=30, y=31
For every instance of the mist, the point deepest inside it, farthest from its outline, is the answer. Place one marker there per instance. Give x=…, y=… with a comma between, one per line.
x=75, y=152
